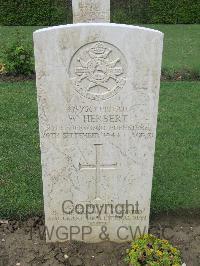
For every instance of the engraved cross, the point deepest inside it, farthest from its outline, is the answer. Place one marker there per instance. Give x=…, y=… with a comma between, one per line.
x=97, y=167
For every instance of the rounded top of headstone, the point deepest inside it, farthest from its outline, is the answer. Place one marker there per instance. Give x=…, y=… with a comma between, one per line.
x=100, y=25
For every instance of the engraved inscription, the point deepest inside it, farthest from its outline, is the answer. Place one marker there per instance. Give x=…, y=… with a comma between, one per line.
x=109, y=121
x=98, y=70
x=97, y=167
x=91, y=11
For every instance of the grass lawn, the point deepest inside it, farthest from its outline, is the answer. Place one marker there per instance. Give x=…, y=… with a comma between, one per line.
x=181, y=47
x=181, y=44
x=176, y=176
x=20, y=171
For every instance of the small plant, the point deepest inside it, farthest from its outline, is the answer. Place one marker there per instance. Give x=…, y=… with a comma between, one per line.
x=151, y=251
x=2, y=68
x=18, y=58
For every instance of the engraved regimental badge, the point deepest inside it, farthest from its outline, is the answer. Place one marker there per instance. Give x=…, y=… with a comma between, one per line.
x=98, y=70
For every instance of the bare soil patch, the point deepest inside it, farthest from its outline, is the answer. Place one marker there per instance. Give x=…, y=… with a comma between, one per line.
x=18, y=247
x=176, y=76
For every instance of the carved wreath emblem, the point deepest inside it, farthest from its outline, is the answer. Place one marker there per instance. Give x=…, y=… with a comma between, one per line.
x=98, y=70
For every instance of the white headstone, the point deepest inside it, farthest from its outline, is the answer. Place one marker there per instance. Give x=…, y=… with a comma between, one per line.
x=98, y=90
x=91, y=11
